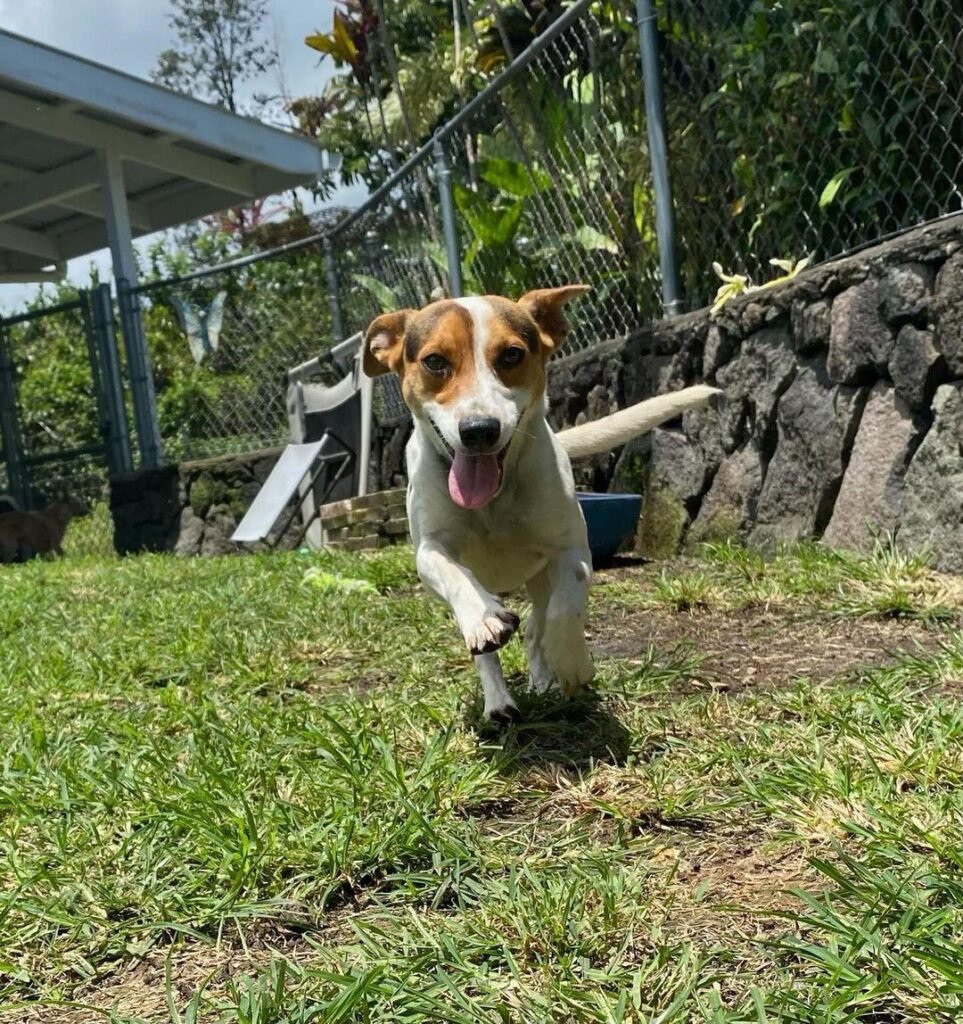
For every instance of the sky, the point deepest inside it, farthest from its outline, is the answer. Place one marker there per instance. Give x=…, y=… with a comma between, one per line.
x=129, y=34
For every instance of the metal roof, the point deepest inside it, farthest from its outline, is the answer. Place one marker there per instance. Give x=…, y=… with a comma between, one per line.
x=181, y=158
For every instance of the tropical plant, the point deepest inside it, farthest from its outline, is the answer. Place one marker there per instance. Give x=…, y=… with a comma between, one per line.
x=788, y=123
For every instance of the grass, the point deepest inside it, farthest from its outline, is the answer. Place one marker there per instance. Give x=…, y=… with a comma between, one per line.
x=227, y=795
x=92, y=534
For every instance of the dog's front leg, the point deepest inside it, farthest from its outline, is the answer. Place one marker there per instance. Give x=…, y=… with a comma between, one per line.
x=557, y=652
x=485, y=623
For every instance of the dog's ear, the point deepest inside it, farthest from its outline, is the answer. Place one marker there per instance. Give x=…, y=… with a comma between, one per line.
x=383, y=343
x=546, y=306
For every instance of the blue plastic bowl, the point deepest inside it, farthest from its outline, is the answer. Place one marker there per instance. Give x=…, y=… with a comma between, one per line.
x=611, y=519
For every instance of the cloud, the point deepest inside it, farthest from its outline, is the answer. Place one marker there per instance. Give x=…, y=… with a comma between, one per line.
x=129, y=34
x=123, y=35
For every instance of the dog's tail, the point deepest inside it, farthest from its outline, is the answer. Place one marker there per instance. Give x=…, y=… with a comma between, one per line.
x=611, y=431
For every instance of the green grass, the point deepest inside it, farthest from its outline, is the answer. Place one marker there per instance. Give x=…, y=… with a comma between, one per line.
x=229, y=796
x=92, y=534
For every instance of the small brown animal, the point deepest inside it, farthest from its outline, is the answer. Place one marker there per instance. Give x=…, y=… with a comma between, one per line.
x=25, y=535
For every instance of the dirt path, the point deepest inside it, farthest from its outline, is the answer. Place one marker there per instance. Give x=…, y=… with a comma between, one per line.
x=759, y=647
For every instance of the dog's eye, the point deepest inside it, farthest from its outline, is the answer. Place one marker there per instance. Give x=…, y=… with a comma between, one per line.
x=435, y=363
x=510, y=357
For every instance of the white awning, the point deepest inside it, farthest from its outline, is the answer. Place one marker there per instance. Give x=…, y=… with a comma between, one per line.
x=181, y=159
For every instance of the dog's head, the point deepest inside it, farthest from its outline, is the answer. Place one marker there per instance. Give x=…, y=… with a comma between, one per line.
x=69, y=506
x=471, y=371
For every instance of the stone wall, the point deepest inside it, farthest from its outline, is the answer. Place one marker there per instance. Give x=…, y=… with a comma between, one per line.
x=843, y=410
x=843, y=416
x=192, y=509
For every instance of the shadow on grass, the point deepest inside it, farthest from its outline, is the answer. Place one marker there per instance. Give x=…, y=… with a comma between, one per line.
x=626, y=561
x=553, y=730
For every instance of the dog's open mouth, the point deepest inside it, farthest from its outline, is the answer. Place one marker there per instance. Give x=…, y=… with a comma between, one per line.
x=474, y=480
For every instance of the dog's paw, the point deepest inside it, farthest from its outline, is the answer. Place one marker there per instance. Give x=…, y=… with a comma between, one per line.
x=569, y=682
x=496, y=628
x=541, y=679
x=567, y=672
x=504, y=713
x=566, y=663
x=573, y=682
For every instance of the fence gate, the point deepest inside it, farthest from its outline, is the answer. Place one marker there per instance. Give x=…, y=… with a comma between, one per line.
x=63, y=422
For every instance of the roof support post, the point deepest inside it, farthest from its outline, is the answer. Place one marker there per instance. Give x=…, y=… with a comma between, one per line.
x=119, y=237
x=104, y=358
x=18, y=474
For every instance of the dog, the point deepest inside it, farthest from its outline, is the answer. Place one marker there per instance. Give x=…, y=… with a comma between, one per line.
x=491, y=501
x=25, y=535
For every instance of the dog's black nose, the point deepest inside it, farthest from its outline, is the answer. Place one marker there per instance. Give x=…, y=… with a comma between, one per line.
x=479, y=433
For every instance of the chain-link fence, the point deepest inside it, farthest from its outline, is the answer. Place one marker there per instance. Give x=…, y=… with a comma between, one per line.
x=390, y=255
x=221, y=342
x=792, y=128
x=540, y=191
x=805, y=127
x=542, y=194
x=54, y=420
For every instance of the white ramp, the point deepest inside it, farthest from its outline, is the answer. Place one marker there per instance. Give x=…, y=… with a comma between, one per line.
x=279, y=488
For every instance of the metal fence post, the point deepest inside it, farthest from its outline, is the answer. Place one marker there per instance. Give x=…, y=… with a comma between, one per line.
x=645, y=19
x=105, y=353
x=141, y=377
x=18, y=479
x=449, y=224
x=331, y=272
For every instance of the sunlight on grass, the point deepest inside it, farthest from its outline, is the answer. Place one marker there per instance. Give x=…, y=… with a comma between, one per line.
x=729, y=577
x=280, y=799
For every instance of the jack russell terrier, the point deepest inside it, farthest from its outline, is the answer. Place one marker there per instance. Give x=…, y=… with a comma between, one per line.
x=491, y=499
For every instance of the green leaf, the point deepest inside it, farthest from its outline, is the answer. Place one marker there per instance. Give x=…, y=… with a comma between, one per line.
x=337, y=43
x=826, y=61
x=492, y=226
x=642, y=210
x=382, y=294
x=588, y=238
x=513, y=177
x=581, y=88
x=833, y=186
x=787, y=79
x=436, y=252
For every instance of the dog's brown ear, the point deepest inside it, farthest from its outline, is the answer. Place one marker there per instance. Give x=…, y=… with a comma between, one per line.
x=383, y=343
x=546, y=306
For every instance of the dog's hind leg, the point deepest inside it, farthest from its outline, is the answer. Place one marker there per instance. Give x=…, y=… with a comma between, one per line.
x=499, y=706
x=558, y=655
x=539, y=676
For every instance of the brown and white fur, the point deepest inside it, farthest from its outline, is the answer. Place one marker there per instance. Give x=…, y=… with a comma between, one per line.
x=473, y=373
x=27, y=534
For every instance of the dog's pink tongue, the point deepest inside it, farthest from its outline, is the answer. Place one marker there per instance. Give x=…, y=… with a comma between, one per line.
x=473, y=479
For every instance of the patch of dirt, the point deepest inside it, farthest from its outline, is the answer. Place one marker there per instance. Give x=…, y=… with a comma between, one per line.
x=762, y=647
x=137, y=988
x=736, y=886
x=333, y=671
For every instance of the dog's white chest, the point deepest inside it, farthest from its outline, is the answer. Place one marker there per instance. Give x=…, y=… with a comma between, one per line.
x=504, y=557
